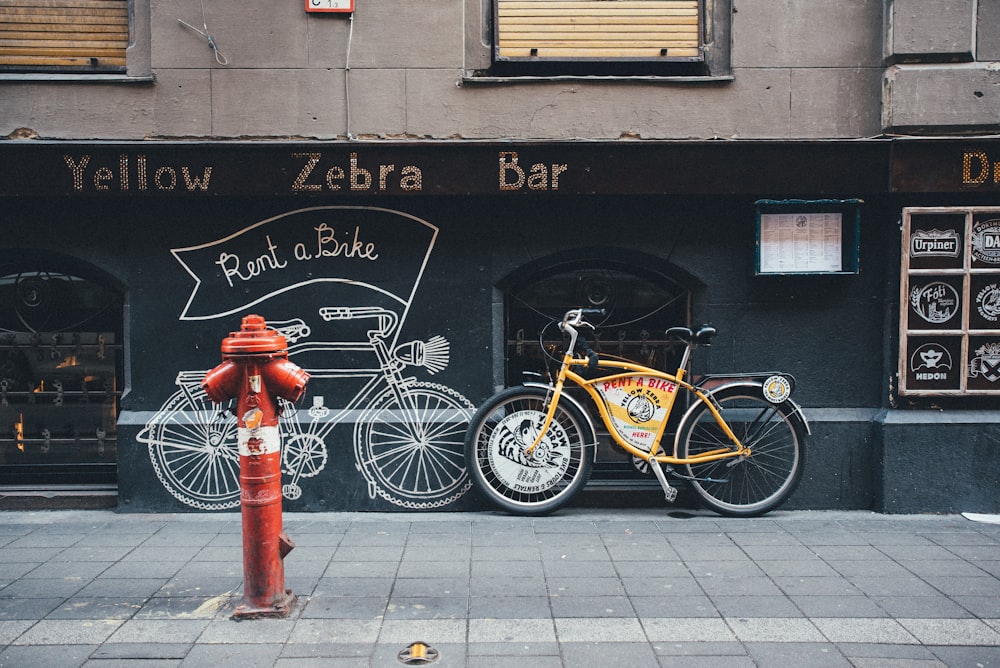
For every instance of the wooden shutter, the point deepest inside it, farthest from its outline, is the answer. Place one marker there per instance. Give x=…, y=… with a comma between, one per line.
x=598, y=29
x=46, y=34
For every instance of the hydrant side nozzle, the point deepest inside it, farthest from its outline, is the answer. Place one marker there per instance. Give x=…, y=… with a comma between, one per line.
x=285, y=378
x=222, y=382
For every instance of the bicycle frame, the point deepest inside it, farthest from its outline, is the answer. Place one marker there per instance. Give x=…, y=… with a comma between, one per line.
x=630, y=371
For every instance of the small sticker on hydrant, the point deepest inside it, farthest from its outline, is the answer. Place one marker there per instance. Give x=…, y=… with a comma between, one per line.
x=260, y=441
x=255, y=384
x=252, y=419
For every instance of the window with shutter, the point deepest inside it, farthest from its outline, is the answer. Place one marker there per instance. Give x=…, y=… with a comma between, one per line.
x=606, y=30
x=658, y=39
x=64, y=35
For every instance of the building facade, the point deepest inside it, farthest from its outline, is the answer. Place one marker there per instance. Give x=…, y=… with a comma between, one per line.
x=411, y=192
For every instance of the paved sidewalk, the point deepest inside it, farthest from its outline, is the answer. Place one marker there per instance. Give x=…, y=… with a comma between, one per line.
x=586, y=587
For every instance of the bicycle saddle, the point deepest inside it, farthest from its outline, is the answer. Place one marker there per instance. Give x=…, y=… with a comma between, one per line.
x=703, y=337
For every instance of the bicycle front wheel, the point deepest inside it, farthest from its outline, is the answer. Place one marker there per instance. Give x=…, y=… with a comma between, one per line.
x=755, y=484
x=527, y=484
x=195, y=452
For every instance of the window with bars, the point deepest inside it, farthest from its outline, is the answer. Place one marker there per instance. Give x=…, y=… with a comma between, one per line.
x=64, y=35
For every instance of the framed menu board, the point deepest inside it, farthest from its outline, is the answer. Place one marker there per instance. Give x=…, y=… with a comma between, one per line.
x=807, y=236
x=949, y=325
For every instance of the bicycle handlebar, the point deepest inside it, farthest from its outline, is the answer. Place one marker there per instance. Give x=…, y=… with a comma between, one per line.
x=387, y=319
x=572, y=320
x=574, y=317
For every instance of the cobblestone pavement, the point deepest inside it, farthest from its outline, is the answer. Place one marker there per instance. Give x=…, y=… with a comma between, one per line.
x=585, y=587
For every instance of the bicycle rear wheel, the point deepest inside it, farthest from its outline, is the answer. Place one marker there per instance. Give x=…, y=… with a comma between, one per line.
x=753, y=485
x=504, y=428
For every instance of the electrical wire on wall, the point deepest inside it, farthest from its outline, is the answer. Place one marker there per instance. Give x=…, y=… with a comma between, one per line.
x=347, y=76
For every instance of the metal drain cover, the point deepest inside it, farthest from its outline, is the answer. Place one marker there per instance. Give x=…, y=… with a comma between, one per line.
x=418, y=654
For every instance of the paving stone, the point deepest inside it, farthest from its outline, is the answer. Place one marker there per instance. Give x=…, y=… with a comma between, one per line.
x=659, y=630
x=68, y=632
x=63, y=656
x=159, y=631
x=797, y=655
x=433, y=631
x=697, y=605
x=772, y=629
x=431, y=586
x=952, y=631
x=509, y=607
x=429, y=607
x=522, y=632
x=343, y=631
x=28, y=608
x=232, y=656
x=608, y=654
x=11, y=629
x=345, y=607
x=884, y=631
x=609, y=630
x=248, y=632
x=600, y=607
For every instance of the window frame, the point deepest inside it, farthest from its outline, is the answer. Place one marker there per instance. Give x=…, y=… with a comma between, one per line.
x=138, y=58
x=714, y=65
x=969, y=279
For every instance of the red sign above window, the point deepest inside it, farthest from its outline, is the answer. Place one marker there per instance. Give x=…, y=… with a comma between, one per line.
x=342, y=6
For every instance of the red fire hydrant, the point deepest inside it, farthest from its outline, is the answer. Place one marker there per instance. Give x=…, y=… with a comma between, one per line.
x=256, y=372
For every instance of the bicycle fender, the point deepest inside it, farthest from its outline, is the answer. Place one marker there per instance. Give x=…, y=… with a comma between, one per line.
x=591, y=429
x=756, y=388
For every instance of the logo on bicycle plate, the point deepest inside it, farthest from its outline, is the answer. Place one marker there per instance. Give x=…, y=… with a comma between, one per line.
x=522, y=471
x=640, y=408
x=936, y=302
x=777, y=389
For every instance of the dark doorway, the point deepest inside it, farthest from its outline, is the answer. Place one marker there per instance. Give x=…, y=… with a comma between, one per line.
x=61, y=376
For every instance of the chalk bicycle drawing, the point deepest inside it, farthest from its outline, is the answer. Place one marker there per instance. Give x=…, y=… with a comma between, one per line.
x=740, y=444
x=408, y=434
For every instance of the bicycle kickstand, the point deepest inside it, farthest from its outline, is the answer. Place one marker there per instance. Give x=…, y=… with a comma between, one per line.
x=668, y=490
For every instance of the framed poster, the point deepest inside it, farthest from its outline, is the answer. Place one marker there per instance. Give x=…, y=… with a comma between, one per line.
x=807, y=237
x=949, y=324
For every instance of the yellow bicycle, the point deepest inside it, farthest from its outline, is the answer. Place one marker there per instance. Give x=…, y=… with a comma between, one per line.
x=740, y=444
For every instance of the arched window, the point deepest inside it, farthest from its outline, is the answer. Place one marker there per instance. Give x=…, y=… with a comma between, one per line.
x=60, y=375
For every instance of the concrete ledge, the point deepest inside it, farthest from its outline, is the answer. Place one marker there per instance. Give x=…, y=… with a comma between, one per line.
x=941, y=98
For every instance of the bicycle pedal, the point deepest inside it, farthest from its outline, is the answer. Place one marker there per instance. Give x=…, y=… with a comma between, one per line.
x=669, y=491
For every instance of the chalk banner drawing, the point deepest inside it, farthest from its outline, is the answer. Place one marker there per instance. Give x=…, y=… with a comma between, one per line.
x=368, y=262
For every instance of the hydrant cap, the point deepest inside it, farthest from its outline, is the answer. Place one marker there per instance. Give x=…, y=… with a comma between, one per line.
x=254, y=337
